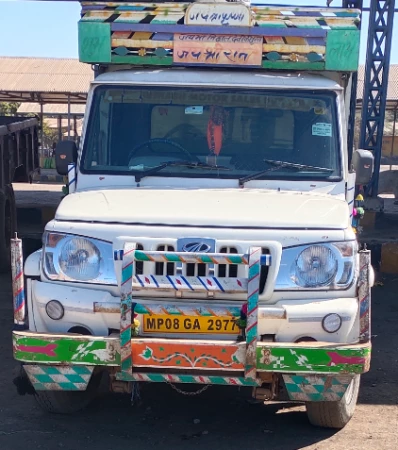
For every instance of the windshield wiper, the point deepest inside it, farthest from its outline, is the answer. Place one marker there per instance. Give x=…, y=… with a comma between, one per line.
x=190, y=164
x=280, y=165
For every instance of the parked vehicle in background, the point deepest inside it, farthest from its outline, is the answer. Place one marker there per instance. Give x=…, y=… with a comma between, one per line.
x=19, y=160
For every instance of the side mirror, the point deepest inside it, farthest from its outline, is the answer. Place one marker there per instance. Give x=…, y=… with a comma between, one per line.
x=65, y=153
x=363, y=162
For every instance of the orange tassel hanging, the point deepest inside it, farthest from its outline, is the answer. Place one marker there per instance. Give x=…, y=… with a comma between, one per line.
x=215, y=129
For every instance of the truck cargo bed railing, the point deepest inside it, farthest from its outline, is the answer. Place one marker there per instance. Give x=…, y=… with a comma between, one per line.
x=226, y=34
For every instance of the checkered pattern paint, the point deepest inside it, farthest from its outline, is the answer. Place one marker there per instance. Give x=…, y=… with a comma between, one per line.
x=189, y=379
x=59, y=378
x=316, y=388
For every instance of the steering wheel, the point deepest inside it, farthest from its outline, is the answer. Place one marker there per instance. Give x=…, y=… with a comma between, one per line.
x=148, y=143
x=186, y=128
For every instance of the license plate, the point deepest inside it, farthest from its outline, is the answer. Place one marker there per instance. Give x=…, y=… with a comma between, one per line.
x=189, y=324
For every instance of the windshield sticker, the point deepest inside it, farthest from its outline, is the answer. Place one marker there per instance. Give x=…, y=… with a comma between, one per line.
x=194, y=110
x=240, y=99
x=322, y=129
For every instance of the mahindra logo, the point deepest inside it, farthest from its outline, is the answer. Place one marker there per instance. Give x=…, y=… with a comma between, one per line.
x=196, y=247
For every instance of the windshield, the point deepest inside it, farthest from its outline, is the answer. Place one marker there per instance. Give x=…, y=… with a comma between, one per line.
x=216, y=133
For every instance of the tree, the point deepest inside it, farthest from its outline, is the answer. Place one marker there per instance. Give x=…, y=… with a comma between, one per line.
x=8, y=108
x=50, y=135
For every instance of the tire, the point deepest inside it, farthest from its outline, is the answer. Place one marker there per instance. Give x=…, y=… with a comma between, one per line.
x=8, y=226
x=335, y=414
x=68, y=402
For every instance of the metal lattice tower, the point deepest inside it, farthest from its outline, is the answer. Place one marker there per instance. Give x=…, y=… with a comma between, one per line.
x=381, y=19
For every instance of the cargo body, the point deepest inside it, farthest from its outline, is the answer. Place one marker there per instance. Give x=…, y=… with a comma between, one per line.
x=19, y=160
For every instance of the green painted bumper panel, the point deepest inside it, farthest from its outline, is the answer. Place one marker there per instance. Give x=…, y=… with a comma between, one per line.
x=66, y=349
x=275, y=357
x=326, y=359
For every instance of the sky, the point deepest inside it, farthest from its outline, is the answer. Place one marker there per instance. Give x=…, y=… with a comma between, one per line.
x=49, y=28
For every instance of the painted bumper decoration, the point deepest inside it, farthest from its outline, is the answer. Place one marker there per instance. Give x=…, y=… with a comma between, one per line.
x=312, y=370
x=327, y=359
x=41, y=348
x=316, y=388
x=188, y=355
x=59, y=378
x=65, y=349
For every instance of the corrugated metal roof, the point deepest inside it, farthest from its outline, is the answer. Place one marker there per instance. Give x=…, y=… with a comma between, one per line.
x=53, y=78
x=44, y=78
x=51, y=109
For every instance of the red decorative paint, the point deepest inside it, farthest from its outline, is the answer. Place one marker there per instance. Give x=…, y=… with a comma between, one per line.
x=339, y=359
x=43, y=350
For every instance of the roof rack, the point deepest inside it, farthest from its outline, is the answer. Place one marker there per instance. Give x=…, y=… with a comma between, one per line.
x=219, y=33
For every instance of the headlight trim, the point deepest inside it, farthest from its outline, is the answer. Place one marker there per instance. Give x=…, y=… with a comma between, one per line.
x=340, y=281
x=53, y=244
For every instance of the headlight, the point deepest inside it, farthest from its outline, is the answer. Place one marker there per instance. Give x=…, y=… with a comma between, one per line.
x=75, y=258
x=80, y=259
x=317, y=266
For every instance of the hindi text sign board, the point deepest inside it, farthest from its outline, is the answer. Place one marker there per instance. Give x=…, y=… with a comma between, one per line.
x=225, y=50
x=222, y=14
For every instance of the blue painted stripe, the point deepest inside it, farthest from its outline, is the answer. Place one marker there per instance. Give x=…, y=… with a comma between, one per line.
x=351, y=202
x=204, y=284
x=187, y=283
x=351, y=188
x=265, y=260
x=155, y=281
x=19, y=300
x=71, y=168
x=172, y=283
x=131, y=8
x=118, y=255
x=140, y=281
x=72, y=181
x=218, y=284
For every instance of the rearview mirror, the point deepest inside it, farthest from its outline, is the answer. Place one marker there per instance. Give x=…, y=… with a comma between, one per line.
x=363, y=162
x=65, y=154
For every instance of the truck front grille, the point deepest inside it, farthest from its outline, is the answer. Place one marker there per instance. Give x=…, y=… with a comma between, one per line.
x=191, y=270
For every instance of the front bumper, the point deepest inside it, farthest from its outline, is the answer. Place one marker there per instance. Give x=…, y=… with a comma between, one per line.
x=306, y=357
x=60, y=361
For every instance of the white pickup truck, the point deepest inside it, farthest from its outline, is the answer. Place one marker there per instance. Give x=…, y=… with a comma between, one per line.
x=207, y=235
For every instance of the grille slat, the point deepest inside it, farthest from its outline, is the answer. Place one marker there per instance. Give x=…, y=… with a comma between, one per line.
x=230, y=270
x=160, y=267
x=139, y=265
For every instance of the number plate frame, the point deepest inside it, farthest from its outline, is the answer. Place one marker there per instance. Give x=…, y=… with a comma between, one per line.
x=169, y=324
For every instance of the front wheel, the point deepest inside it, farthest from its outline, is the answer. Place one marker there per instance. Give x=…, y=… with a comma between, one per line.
x=335, y=414
x=68, y=402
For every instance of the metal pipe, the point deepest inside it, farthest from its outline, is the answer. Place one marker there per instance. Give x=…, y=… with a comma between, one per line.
x=59, y=128
x=364, y=296
x=72, y=177
x=18, y=285
x=42, y=124
x=68, y=116
x=393, y=134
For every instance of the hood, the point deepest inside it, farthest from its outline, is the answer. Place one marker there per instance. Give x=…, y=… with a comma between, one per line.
x=241, y=208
